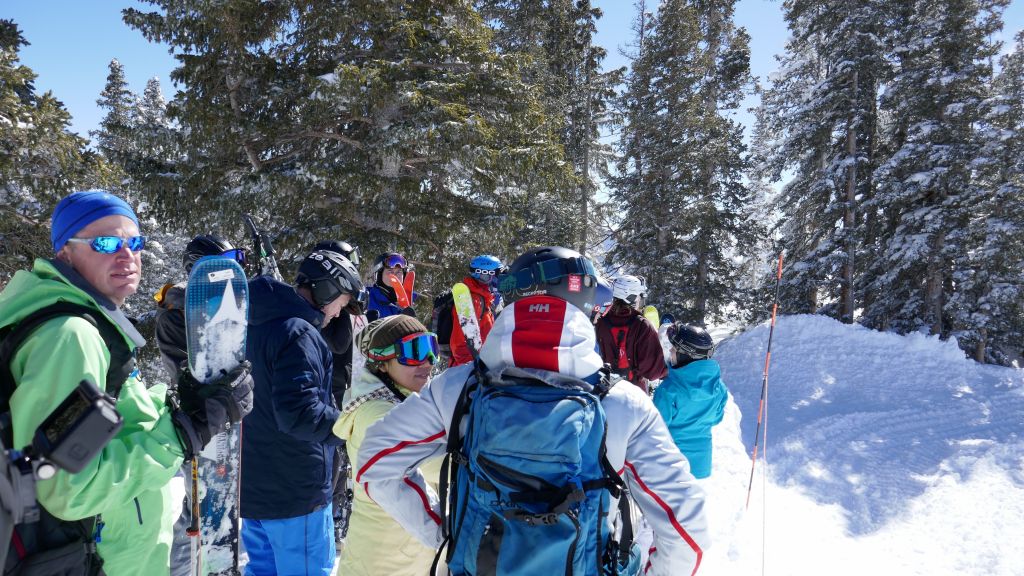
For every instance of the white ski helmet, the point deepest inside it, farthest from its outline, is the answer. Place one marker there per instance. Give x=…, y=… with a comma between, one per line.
x=631, y=289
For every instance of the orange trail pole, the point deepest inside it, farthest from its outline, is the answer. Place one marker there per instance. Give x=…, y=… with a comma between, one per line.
x=764, y=382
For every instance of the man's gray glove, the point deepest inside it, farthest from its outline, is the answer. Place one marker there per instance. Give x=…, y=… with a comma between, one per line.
x=204, y=410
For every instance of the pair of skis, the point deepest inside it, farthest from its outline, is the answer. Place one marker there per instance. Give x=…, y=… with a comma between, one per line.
x=403, y=289
x=216, y=322
x=468, y=322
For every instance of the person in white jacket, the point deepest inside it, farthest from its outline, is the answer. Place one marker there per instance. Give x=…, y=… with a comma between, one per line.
x=540, y=336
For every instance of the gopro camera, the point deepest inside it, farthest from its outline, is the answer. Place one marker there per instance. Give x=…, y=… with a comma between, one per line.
x=78, y=429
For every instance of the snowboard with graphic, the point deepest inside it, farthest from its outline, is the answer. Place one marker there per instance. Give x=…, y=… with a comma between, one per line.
x=463, y=303
x=216, y=318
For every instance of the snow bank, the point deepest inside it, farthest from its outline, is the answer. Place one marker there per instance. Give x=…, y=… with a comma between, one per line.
x=886, y=454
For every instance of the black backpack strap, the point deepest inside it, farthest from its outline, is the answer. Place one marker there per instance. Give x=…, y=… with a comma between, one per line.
x=626, y=514
x=608, y=379
x=49, y=532
x=616, y=485
x=122, y=358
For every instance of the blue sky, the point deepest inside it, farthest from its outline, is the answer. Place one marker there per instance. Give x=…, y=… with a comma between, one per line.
x=73, y=41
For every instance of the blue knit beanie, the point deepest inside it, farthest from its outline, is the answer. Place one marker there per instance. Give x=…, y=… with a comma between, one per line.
x=79, y=209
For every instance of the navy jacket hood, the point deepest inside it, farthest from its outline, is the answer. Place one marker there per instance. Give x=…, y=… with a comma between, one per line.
x=275, y=300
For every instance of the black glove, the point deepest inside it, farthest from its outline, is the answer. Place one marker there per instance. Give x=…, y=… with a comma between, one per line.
x=409, y=311
x=204, y=410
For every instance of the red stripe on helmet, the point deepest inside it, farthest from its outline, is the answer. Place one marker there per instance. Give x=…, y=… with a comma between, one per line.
x=538, y=332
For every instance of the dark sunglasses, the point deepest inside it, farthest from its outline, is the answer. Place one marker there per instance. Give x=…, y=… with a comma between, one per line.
x=112, y=244
x=357, y=305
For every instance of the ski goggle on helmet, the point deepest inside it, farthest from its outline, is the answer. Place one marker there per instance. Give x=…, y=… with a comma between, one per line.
x=486, y=268
x=413, y=350
x=553, y=271
x=395, y=261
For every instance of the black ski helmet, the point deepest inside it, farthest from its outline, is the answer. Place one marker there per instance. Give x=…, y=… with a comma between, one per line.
x=689, y=341
x=203, y=245
x=328, y=275
x=341, y=247
x=555, y=271
x=387, y=260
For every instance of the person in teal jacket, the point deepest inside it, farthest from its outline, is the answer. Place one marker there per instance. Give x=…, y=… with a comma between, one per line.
x=97, y=243
x=691, y=399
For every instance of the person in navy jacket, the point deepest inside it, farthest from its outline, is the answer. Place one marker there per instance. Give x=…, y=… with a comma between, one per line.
x=287, y=444
x=383, y=301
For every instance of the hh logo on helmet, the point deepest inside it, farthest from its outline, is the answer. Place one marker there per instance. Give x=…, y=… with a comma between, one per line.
x=545, y=308
x=575, y=282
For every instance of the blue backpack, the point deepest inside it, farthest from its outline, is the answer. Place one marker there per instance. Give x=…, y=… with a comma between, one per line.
x=531, y=482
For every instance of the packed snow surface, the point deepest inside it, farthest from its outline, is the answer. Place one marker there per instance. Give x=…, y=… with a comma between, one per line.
x=886, y=454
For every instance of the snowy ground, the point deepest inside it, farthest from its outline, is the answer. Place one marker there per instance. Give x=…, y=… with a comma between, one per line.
x=886, y=455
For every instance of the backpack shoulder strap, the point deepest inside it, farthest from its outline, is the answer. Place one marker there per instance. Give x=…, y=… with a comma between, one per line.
x=33, y=538
x=608, y=380
x=453, y=459
x=122, y=358
x=615, y=484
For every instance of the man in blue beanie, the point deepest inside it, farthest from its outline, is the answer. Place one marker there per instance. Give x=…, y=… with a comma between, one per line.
x=97, y=265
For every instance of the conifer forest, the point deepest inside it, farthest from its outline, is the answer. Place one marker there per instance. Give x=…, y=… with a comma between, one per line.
x=885, y=159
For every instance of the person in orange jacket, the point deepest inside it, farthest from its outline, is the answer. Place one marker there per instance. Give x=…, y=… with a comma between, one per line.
x=481, y=281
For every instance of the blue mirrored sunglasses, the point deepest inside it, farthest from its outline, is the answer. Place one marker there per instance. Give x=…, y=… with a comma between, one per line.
x=112, y=244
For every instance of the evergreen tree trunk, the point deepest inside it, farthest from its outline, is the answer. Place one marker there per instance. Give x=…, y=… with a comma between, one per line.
x=849, y=211
x=585, y=189
x=935, y=283
x=700, y=304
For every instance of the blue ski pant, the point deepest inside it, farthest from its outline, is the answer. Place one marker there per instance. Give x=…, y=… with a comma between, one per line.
x=302, y=546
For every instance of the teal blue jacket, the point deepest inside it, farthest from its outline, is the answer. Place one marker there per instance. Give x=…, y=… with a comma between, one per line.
x=691, y=400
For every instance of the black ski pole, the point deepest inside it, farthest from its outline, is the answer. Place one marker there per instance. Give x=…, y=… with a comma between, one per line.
x=264, y=250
